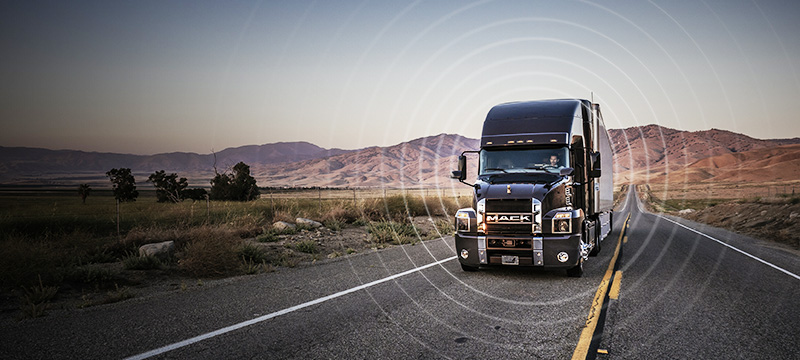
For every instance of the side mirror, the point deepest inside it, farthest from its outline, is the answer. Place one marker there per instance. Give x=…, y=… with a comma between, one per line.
x=596, y=171
x=568, y=171
x=461, y=173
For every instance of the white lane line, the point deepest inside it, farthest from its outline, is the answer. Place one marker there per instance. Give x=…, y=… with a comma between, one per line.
x=240, y=325
x=787, y=272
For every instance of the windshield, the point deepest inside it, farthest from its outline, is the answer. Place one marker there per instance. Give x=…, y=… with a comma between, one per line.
x=523, y=161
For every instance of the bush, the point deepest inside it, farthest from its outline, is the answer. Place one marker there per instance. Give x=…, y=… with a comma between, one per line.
x=135, y=262
x=306, y=246
x=333, y=224
x=33, y=301
x=391, y=231
x=444, y=227
x=267, y=236
x=211, y=255
x=252, y=253
x=341, y=215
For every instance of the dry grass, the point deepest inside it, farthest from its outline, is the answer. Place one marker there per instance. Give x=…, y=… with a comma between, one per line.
x=211, y=254
x=48, y=240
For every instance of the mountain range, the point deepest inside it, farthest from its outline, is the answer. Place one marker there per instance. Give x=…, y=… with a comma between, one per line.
x=644, y=153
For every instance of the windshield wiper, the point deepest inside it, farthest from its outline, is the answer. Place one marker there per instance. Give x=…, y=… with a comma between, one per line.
x=496, y=169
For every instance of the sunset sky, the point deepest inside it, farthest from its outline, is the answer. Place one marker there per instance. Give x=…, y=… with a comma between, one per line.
x=147, y=77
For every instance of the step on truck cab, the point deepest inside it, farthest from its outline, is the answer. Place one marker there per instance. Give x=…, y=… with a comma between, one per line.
x=544, y=190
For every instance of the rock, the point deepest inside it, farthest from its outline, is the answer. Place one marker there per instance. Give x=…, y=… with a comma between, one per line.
x=161, y=250
x=793, y=215
x=763, y=212
x=308, y=222
x=686, y=211
x=283, y=225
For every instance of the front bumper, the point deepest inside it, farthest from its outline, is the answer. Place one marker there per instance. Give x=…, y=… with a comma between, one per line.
x=534, y=251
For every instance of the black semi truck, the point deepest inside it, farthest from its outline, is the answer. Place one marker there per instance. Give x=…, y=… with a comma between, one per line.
x=544, y=190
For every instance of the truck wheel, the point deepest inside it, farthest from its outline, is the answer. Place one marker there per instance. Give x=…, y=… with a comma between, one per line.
x=469, y=268
x=576, y=271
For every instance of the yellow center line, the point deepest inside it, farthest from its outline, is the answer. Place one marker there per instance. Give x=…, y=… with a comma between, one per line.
x=614, y=293
x=582, y=350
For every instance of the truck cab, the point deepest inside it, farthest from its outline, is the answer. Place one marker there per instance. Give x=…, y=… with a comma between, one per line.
x=544, y=189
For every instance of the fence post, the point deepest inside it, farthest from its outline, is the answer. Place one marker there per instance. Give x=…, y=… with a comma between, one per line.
x=117, y=217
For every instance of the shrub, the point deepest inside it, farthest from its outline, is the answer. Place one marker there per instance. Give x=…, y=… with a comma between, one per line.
x=444, y=227
x=391, y=231
x=342, y=214
x=285, y=259
x=135, y=262
x=251, y=253
x=211, y=255
x=333, y=224
x=33, y=301
x=267, y=236
x=306, y=246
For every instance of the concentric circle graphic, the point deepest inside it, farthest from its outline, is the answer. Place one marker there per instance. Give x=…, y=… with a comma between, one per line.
x=426, y=69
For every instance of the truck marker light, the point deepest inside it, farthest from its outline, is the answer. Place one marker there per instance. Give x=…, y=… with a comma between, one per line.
x=562, y=256
x=464, y=253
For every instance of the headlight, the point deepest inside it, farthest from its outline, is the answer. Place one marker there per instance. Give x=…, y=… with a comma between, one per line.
x=462, y=219
x=481, y=212
x=562, y=223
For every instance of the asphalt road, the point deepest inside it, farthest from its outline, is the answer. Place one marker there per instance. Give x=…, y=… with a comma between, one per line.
x=681, y=296
x=686, y=296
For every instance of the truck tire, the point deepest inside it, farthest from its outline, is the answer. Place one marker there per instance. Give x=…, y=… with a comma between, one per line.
x=469, y=268
x=576, y=271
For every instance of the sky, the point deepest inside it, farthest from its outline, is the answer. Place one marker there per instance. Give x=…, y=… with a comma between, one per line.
x=146, y=77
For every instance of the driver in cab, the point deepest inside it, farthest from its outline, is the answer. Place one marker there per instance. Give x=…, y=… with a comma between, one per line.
x=554, y=161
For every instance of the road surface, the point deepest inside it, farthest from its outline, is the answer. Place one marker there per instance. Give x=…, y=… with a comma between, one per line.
x=680, y=294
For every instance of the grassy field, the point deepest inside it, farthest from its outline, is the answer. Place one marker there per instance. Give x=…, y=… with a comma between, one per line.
x=50, y=240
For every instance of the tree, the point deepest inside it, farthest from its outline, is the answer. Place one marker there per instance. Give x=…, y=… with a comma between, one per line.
x=83, y=191
x=123, y=184
x=237, y=186
x=195, y=194
x=168, y=187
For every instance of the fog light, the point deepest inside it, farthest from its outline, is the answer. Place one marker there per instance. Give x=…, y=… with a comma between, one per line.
x=464, y=253
x=562, y=256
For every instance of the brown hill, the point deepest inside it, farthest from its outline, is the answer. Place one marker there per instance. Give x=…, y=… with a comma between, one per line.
x=421, y=162
x=649, y=153
x=36, y=166
x=779, y=163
